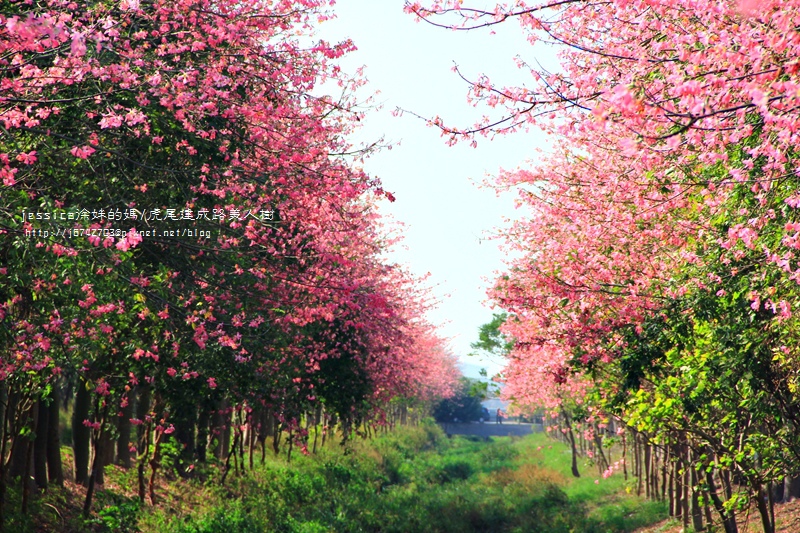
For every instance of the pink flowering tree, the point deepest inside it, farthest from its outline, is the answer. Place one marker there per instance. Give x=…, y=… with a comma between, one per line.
x=661, y=233
x=188, y=250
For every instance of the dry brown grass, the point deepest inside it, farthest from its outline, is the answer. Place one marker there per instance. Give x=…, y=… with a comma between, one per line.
x=526, y=477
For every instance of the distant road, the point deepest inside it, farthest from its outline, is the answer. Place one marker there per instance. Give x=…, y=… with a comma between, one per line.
x=490, y=429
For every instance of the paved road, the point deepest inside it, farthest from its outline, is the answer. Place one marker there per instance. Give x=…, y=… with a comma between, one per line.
x=506, y=429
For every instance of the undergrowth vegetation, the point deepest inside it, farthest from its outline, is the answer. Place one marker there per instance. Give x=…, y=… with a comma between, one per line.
x=413, y=479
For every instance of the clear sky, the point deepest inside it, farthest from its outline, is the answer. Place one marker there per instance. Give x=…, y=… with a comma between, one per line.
x=446, y=216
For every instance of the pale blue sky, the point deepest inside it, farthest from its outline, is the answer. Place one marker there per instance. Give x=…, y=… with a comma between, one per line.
x=445, y=215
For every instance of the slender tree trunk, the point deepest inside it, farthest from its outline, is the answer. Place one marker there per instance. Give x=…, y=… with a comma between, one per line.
x=728, y=517
x=54, y=468
x=598, y=442
x=81, y=434
x=685, y=486
x=697, y=511
x=20, y=461
x=105, y=449
x=201, y=446
x=40, y=444
x=678, y=480
x=263, y=432
x=317, y=423
x=144, y=448
x=625, y=456
x=672, y=491
x=184, y=419
x=655, y=472
x=5, y=409
x=639, y=470
x=771, y=502
x=571, y=437
x=26, y=481
x=276, y=439
x=709, y=516
x=227, y=464
x=155, y=459
x=647, y=471
x=250, y=441
x=97, y=464
x=144, y=397
x=222, y=429
x=241, y=445
x=124, y=434
x=326, y=420
x=664, y=470
x=761, y=503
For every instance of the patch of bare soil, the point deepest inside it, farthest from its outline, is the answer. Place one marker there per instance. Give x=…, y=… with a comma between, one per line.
x=787, y=518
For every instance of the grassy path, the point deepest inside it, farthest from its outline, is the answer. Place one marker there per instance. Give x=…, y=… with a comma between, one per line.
x=414, y=480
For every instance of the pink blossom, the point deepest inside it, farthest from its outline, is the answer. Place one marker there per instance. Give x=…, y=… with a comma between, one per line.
x=82, y=152
x=78, y=45
x=103, y=388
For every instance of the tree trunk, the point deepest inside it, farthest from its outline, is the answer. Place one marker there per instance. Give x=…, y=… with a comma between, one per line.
x=201, y=445
x=81, y=434
x=685, y=486
x=728, y=517
x=251, y=440
x=142, y=410
x=96, y=473
x=55, y=472
x=697, y=511
x=26, y=481
x=638, y=467
x=571, y=436
x=766, y=522
x=154, y=463
x=678, y=482
x=222, y=430
x=598, y=442
x=672, y=491
x=40, y=444
x=276, y=438
x=5, y=409
x=144, y=447
x=647, y=471
x=664, y=469
x=124, y=433
x=20, y=462
x=625, y=456
x=318, y=422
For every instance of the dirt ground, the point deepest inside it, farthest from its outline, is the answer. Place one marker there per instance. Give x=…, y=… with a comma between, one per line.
x=787, y=518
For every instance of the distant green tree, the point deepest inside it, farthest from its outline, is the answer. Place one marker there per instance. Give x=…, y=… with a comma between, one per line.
x=465, y=405
x=490, y=339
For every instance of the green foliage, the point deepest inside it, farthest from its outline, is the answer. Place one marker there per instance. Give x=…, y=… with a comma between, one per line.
x=119, y=518
x=414, y=480
x=411, y=480
x=464, y=406
x=230, y=519
x=490, y=339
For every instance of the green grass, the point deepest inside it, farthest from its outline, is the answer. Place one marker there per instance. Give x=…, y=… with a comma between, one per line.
x=414, y=480
x=611, y=503
x=417, y=480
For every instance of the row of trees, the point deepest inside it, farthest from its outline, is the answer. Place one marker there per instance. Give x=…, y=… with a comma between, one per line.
x=187, y=250
x=657, y=279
